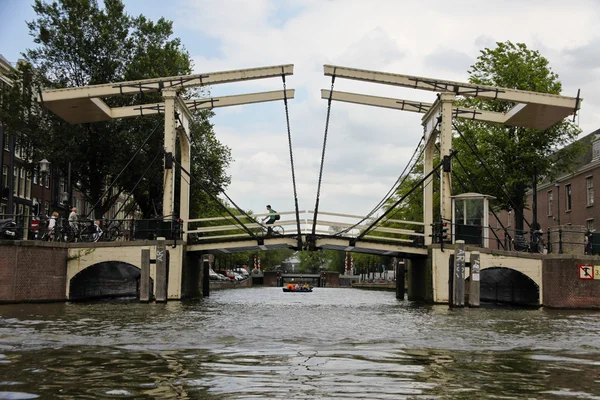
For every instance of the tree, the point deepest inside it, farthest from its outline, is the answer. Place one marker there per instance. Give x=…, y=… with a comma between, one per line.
x=512, y=154
x=312, y=261
x=80, y=43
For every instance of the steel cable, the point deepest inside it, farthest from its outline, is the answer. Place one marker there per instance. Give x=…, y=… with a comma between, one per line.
x=314, y=227
x=287, y=120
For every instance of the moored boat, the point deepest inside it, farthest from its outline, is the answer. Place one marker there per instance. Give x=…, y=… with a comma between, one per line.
x=298, y=291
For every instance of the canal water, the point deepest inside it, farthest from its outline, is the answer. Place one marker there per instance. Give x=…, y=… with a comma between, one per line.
x=329, y=344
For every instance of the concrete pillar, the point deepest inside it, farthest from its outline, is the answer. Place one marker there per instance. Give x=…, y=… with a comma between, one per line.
x=184, y=191
x=445, y=147
x=399, y=270
x=145, y=277
x=169, y=97
x=206, y=275
x=417, y=279
x=474, y=281
x=458, y=275
x=568, y=239
x=428, y=190
x=161, y=271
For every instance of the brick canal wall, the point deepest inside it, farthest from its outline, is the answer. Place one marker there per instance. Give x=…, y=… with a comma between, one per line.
x=563, y=287
x=32, y=271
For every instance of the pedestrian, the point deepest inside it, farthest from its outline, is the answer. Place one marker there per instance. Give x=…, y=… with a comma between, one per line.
x=97, y=231
x=52, y=224
x=73, y=218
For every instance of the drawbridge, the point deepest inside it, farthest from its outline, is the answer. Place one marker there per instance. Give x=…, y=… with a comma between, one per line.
x=377, y=232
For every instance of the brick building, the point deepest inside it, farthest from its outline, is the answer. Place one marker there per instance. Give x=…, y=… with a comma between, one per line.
x=24, y=190
x=570, y=199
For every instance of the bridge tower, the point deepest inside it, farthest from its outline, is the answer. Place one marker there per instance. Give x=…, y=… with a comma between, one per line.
x=85, y=104
x=530, y=110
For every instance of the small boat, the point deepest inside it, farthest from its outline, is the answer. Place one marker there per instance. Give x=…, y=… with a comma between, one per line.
x=297, y=291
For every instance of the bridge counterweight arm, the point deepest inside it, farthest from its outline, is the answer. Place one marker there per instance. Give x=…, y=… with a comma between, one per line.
x=414, y=106
x=205, y=103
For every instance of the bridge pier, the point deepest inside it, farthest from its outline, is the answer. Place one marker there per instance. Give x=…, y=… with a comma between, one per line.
x=145, y=277
x=418, y=279
x=400, y=275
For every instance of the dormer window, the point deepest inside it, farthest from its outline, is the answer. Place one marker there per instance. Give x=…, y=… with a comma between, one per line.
x=596, y=148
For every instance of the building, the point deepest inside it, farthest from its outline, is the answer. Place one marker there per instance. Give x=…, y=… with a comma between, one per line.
x=35, y=187
x=23, y=188
x=569, y=200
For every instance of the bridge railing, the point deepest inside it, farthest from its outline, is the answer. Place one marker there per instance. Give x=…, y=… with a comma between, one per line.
x=556, y=240
x=328, y=224
x=83, y=230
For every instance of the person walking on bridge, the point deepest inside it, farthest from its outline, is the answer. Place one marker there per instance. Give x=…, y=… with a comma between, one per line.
x=73, y=218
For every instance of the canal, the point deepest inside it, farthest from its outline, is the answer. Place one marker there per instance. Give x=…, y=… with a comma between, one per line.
x=263, y=343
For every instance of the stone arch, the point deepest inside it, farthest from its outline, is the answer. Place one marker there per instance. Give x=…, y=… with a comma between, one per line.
x=107, y=279
x=507, y=285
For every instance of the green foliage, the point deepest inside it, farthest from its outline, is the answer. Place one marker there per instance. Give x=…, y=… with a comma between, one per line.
x=369, y=263
x=511, y=153
x=80, y=43
x=312, y=261
x=272, y=258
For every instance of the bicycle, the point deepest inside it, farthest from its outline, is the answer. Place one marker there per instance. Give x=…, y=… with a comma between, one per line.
x=536, y=245
x=271, y=230
x=113, y=233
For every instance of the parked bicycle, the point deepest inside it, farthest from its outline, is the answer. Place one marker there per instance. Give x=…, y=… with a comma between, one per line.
x=535, y=245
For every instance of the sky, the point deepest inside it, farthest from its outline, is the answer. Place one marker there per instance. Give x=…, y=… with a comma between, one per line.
x=367, y=148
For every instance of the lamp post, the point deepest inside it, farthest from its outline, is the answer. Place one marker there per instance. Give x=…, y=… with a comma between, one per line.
x=557, y=186
x=44, y=169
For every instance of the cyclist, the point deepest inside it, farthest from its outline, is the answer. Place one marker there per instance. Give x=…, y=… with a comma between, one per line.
x=271, y=218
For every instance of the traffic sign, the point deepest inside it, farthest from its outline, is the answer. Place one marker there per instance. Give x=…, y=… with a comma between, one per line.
x=597, y=272
x=586, y=272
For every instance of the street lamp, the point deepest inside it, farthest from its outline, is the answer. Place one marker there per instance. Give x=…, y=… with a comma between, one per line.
x=44, y=169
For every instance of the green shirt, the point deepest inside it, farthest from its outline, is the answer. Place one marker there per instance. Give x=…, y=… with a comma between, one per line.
x=272, y=218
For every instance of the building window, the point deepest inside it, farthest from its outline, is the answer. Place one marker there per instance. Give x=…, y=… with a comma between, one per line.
x=590, y=225
x=28, y=186
x=590, y=190
x=4, y=176
x=35, y=176
x=568, y=197
x=22, y=184
x=15, y=181
x=46, y=209
x=550, y=203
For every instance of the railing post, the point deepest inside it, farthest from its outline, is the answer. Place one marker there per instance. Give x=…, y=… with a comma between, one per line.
x=560, y=243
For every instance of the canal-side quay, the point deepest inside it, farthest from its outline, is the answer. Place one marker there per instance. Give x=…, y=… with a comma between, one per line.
x=387, y=286
x=57, y=272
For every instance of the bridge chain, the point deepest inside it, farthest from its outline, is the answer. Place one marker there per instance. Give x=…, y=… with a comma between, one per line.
x=314, y=227
x=287, y=120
